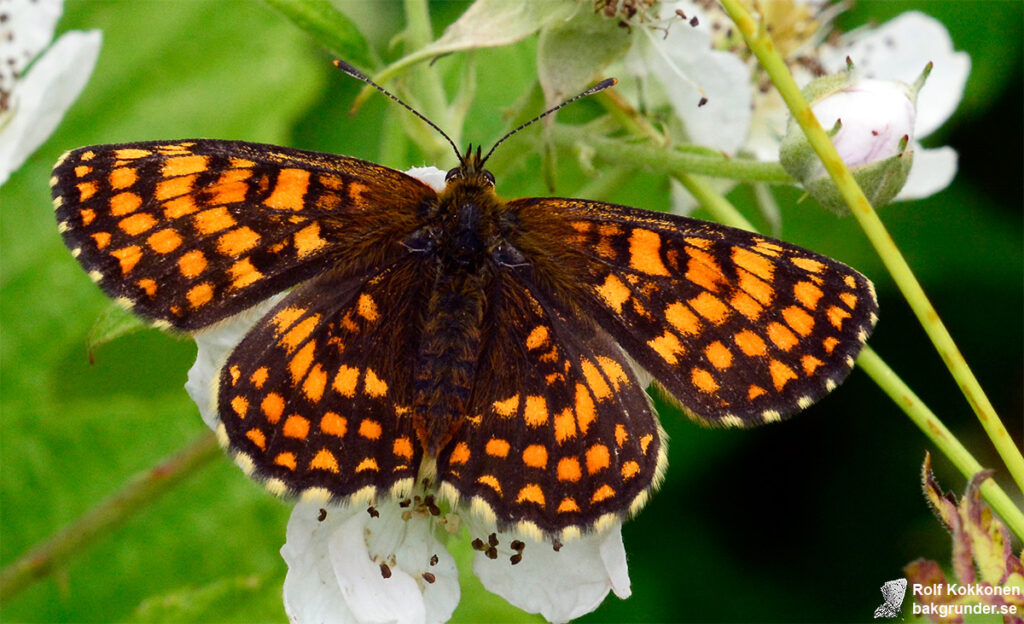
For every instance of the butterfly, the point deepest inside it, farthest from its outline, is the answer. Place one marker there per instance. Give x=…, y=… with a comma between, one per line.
x=493, y=349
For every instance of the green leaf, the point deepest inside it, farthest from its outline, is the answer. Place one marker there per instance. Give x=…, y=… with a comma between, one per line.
x=573, y=53
x=112, y=323
x=328, y=26
x=238, y=599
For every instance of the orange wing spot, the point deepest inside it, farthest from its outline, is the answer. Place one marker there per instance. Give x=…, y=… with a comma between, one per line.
x=123, y=177
x=581, y=226
x=703, y=243
x=595, y=380
x=680, y=316
x=289, y=190
x=345, y=381
x=199, y=295
x=781, y=374
x=286, y=459
x=710, y=307
x=330, y=181
x=184, y=205
x=333, y=424
x=551, y=378
x=131, y=153
x=621, y=435
x=299, y=333
x=164, y=241
x=286, y=317
x=328, y=202
x=601, y=494
x=324, y=460
x=491, y=481
x=272, y=407
x=645, y=442
x=810, y=364
x=230, y=188
x=367, y=308
x=460, y=454
x=565, y=423
x=645, y=252
x=402, y=447
x=754, y=262
x=313, y=386
x=536, y=455
x=849, y=299
x=235, y=373
x=240, y=405
x=746, y=305
x=585, y=411
x=569, y=469
x=174, y=187
x=87, y=155
x=836, y=316
x=370, y=429
x=124, y=203
x=830, y=344
x=807, y=294
x=237, y=241
x=128, y=257
x=536, y=411
x=750, y=343
x=537, y=338
x=496, y=447
x=568, y=505
x=184, y=165
x=368, y=463
x=550, y=357
x=769, y=249
x=213, y=220
x=147, y=285
x=800, y=321
x=614, y=293
x=87, y=215
x=258, y=438
x=605, y=249
x=719, y=355
x=241, y=163
x=86, y=190
x=612, y=370
x=82, y=170
x=703, y=270
x=609, y=229
x=296, y=426
x=812, y=266
x=780, y=335
x=373, y=385
x=307, y=240
x=668, y=347
x=850, y=281
x=508, y=407
x=259, y=377
x=704, y=381
x=102, y=239
x=243, y=274
x=598, y=458
x=192, y=264
x=759, y=290
x=531, y=493
x=755, y=391
x=301, y=362
x=629, y=470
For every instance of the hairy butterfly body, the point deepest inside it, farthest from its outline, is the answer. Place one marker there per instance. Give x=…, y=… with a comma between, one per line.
x=486, y=346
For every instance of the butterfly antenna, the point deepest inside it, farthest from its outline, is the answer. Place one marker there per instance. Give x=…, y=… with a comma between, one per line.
x=601, y=86
x=355, y=73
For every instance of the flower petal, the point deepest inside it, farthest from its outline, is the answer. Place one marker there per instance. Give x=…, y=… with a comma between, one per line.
x=41, y=98
x=933, y=170
x=560, y=585
x=311, y=590
x=26, y=30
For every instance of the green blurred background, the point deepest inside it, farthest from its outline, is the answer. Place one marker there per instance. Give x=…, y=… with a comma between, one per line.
x=801, y=521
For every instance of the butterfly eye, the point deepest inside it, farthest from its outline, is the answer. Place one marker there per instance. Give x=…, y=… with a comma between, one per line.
x=453, y=174
x=489, y=177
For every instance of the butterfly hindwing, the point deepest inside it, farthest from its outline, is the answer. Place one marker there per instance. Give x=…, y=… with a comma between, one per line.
x=186, y=233
x=740, y=328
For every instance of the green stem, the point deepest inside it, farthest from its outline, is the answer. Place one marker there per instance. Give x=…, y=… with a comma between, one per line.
x=140, y=490
x=428, y=85
x=761, y=45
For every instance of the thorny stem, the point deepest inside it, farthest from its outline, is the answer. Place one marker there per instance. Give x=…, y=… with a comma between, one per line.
x=760, y=43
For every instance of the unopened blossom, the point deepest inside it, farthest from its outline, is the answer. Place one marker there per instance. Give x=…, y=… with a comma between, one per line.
x=38, y=81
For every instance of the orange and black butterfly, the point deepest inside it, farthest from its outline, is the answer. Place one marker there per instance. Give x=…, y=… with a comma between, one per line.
x=491, y=347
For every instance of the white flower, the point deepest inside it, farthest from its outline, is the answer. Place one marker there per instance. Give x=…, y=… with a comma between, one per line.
x=386, y=560
x=32, y=103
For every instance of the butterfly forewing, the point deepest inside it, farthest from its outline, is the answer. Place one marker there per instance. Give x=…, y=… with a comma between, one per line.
x=740, y=328
x=189, y=232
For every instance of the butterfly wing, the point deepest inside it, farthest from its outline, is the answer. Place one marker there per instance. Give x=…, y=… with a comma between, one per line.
x=561, y=435
x=186, y=233
x=740, y=328
x=315, y=398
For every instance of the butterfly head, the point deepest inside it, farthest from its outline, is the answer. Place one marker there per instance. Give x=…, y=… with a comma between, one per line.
x=471, y=172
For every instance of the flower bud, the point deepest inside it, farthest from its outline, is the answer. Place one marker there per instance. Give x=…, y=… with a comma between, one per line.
x=872, y=125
